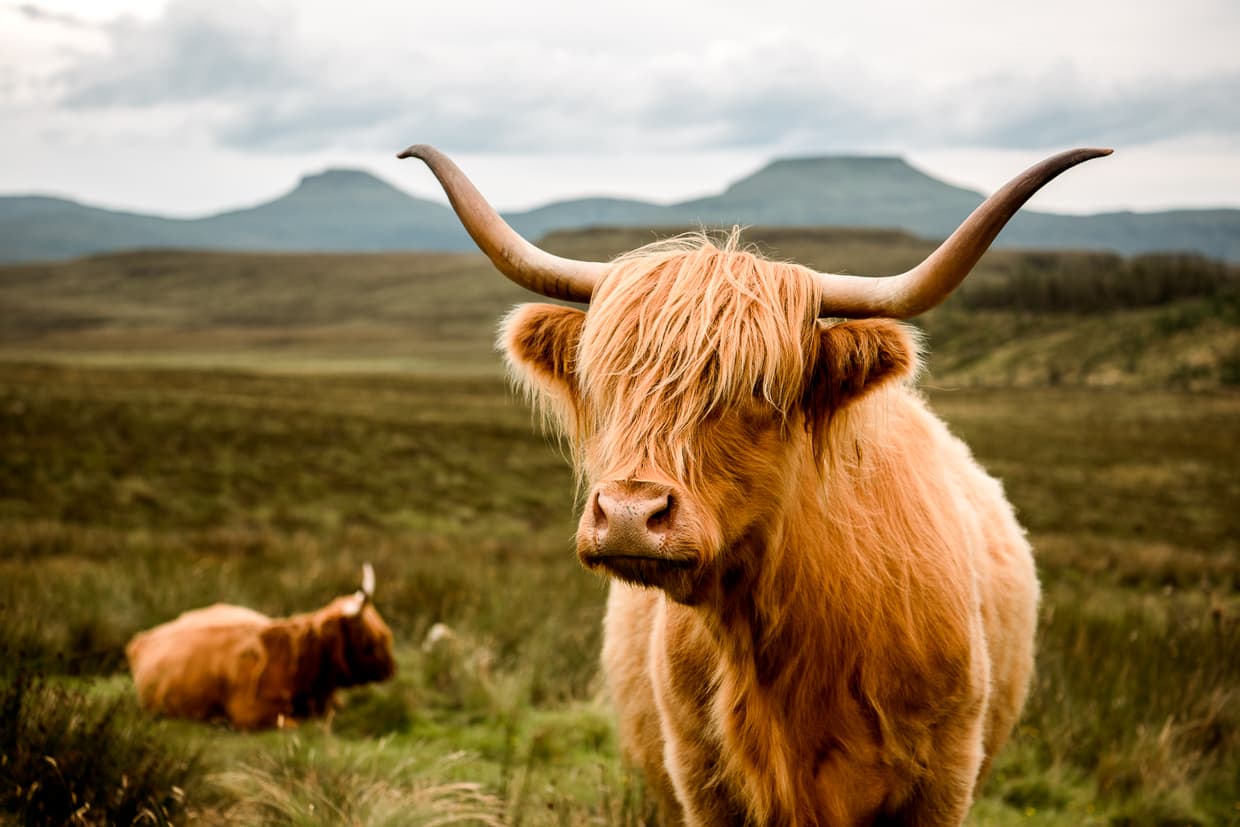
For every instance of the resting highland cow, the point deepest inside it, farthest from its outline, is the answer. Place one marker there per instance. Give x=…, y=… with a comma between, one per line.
x=235, y=663
x=822, y=609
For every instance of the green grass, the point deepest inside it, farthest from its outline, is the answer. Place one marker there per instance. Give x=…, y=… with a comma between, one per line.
x=183, y=428
x=129, y=495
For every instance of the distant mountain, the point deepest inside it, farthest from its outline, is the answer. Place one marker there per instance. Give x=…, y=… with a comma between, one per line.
x=590, y=212
x=38, y=227
x=333, y=210
x=352, y=210
x=888, y=192
x=839, y=191
x=341, y=209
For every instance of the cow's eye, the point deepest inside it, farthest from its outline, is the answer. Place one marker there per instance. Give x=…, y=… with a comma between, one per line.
x=756, y=412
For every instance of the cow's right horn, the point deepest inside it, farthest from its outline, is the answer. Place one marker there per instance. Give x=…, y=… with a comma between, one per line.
x=368, y=581
x=932, y=281
x=522, y=262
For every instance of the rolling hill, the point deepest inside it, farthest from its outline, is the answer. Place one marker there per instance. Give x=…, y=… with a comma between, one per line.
x=1022, y=318
x=350, y=210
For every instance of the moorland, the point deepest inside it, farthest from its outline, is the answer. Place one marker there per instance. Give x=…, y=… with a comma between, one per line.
x=179, y=428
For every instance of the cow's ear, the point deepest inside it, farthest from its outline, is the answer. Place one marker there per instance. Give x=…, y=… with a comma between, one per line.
x=856, y=357
x=540, y=342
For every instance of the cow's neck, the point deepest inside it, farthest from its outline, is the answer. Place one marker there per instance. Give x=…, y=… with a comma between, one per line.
x=774, y=630
x=830, y=573
x=800, y=620
x=777, y=600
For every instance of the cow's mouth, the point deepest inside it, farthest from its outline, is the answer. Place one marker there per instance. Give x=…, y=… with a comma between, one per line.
x=604, y=559
x=640, y=569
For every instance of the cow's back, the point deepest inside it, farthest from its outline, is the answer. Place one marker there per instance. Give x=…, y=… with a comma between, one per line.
x=188, y=667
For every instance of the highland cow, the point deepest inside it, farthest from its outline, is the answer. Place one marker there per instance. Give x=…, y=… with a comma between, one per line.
x=822, y=609
x=258, y=672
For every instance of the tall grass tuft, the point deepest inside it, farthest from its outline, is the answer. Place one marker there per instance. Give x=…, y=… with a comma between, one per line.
x=1142, y=699
x=71, y=759
x=294, y=785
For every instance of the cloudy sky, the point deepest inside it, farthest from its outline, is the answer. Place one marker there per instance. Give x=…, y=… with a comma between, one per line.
x=185, y=107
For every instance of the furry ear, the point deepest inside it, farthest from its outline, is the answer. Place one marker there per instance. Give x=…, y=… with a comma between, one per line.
x=540, y=343
x=855, y=357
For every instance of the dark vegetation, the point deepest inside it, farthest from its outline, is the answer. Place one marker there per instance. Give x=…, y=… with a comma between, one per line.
x=76, y=758
x=1105, y=283
x=130, y=493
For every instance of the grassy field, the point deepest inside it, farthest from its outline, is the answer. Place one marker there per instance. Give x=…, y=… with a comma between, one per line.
x=161, y=453
x=129, y=495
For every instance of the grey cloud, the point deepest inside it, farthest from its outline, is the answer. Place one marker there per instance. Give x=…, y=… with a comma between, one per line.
x=305, y=125
x=193, y=53
x=262, y=89
x=1157, y=111
x=35, y=12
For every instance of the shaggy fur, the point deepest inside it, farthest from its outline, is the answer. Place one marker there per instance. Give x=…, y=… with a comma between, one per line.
x=846, y=636
x=258, y=672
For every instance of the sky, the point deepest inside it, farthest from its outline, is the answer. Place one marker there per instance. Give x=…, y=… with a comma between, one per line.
x=188, y=107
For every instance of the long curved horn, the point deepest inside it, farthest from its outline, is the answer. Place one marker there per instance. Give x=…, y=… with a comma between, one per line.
x=516, y=258
x=930, y=282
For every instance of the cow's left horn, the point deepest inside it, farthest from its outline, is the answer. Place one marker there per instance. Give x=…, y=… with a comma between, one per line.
x=519, y=260
x=932, y=281
x=368, y=581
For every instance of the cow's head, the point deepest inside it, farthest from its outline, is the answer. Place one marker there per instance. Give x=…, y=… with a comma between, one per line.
x=354, y=638
x=692, y=392
x=696, y=389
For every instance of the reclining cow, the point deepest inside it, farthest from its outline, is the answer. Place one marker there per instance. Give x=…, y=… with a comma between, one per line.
x=255, y=671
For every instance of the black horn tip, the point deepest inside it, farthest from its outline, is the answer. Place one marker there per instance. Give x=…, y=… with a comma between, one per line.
x=1087, y=153
x=415, y=151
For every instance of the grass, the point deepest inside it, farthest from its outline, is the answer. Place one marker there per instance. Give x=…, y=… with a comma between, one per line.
x=178, y=429
x=129, y=495
x=85, y=759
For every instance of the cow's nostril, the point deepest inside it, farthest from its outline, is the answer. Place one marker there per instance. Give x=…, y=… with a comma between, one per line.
x=661, y=515
x=600, y=512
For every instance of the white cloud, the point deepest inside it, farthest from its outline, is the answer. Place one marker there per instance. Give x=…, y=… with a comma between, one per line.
x=281, y=80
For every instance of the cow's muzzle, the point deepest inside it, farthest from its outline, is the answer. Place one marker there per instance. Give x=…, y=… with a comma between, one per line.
x=633, y=529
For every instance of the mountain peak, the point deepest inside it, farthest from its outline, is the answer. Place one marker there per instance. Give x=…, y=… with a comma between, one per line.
x=889, y=174
x=849, y=190
x=349, y=189
x=840, y=160
x=338, y=174
x=341, y=178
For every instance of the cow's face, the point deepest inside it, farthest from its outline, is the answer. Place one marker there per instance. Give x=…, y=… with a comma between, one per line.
x=695, y=392
x=359, y=640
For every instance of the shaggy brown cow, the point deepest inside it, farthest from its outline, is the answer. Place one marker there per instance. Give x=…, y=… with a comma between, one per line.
x=823, y=609
x=231, y=662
